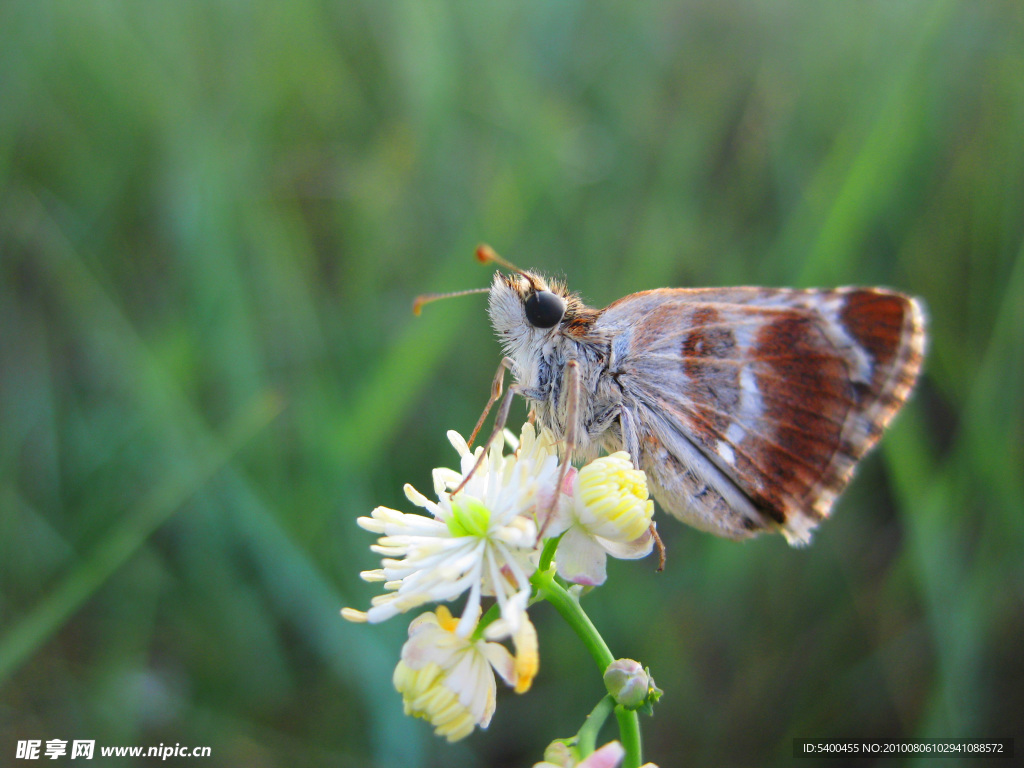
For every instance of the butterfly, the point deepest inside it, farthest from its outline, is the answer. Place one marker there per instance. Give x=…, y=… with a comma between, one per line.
x=747, y=408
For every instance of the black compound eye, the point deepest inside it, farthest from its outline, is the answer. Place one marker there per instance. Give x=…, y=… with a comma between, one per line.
x=544, y=309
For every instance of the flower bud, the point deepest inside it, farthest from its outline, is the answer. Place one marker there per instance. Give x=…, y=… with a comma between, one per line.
x=628, y=683
x=558, y=753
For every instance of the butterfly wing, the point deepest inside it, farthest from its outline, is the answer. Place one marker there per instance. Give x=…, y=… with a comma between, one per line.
x=748, y=407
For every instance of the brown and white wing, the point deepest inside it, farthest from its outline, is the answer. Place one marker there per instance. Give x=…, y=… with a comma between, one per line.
x=748, y=407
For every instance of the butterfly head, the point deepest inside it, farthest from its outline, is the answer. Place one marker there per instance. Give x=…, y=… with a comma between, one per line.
x=529, y=312
x=526, y=299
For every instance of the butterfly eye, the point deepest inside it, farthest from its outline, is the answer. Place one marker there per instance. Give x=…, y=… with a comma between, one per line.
x=544, y=309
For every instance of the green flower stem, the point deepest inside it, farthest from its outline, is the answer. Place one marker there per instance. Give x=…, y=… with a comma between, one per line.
x=548, y=553
x=629, y=734
x=492, y=615
x=549, y=589
x=586, y=738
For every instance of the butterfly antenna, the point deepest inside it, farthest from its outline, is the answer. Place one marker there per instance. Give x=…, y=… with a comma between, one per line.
x=485, y=254
x=426, y=298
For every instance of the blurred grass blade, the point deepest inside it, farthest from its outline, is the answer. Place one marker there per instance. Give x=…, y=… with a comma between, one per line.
x=115, y=548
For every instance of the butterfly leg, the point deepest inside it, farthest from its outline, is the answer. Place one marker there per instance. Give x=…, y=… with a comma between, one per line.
x=660, y=546
x=571, y=384
x=496, y=387
x=630, y=436
x=499, y=419
x=631, y=444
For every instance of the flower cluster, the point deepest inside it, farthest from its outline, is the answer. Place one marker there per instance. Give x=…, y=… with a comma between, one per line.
x=483, y=538
x=447, y=679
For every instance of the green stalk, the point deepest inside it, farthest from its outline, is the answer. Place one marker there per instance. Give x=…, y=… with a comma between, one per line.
x=629, y=735
x=492, y=615
x=548, y=553
x=586, y=738
x=549, y=589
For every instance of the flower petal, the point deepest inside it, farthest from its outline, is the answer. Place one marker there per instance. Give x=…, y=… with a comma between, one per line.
x=458, y=442
x=608, y=756
x=580, y=559
x=629, y=550
x=502, y=660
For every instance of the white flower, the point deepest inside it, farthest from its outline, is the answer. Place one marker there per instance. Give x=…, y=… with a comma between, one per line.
x=447, y=679
x=609, y=514
x=480, y=541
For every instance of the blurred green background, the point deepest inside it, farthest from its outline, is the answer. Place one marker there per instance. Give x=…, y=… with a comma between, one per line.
x=213, y=219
